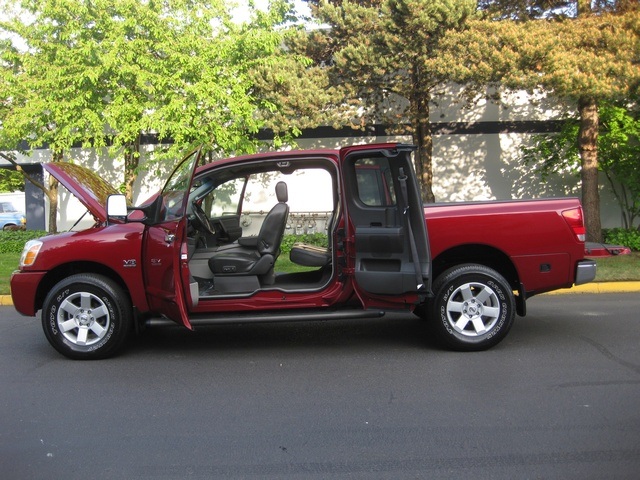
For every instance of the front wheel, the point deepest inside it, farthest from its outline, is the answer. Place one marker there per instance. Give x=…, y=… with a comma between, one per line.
x=473, y=308
x=86, y=316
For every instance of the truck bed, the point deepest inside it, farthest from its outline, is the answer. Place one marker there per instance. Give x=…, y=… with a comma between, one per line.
x=534, y=234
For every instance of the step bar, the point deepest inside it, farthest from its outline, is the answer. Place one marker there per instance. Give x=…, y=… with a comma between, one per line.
x=267, y=317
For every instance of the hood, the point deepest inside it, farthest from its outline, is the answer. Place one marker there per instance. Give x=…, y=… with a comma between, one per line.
x=85, y=184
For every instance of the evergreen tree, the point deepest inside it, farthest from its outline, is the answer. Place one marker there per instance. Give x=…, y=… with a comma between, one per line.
x=580, y=56
x=384, y=57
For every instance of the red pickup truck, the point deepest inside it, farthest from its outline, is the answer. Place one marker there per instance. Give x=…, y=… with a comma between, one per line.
x=182, y=258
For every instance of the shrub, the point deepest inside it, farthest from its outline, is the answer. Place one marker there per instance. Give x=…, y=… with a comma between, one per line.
x=13, y=241
x=623, y=236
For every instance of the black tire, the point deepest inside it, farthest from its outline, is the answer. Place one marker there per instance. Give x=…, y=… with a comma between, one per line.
x=87, y=316
x=473, y=308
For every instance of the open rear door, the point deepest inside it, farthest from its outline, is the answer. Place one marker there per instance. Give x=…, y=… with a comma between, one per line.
x=164, y=247
x=390, y=247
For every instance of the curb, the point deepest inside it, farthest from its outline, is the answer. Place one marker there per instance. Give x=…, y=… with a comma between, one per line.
x=5, y=301
x=602, y=287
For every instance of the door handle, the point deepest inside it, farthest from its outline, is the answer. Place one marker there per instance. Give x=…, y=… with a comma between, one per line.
x=169, y=237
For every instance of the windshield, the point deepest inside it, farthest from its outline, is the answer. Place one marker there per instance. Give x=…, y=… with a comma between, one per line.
x=175, y=191
x=7, y=208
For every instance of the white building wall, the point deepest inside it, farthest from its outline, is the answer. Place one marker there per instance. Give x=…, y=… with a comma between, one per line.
x=466, y=167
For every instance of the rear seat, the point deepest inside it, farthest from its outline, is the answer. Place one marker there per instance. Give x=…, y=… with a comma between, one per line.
x=310, y=255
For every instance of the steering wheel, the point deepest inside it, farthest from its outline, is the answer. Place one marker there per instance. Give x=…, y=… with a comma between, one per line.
x=202, y=218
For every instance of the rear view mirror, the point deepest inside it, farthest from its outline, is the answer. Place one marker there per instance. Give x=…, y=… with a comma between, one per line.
x=116, y=206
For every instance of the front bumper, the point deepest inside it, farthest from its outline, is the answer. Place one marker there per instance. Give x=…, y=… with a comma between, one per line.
x=24, y=288
x=585, y=271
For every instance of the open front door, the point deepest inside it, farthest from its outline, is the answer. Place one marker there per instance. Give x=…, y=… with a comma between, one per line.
x=165, y=262
x=390, y=248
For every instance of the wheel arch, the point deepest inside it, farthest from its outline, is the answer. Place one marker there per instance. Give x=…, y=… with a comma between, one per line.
x=479, y=254
x=55, y=275
x=483, y=255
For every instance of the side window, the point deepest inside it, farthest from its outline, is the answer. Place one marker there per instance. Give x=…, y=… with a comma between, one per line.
x=176, y=190
x=261, y=194
x=309, y=190
x=7, y=207
x=225, y=199
x=375, y=184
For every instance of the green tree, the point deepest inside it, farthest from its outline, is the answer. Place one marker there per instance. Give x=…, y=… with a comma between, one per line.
x=206, y=91
x=618, y=148
x=385, y=56
x=295, y=92
x=50, y=94
x=94, y=71
x=583, y=60
x=11, y=181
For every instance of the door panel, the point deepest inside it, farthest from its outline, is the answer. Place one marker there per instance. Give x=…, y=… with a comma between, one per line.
x=163, y=259
x=163, y=278
x=383, y=259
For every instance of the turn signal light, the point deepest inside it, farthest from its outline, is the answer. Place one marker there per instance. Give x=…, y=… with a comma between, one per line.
x=30, y=253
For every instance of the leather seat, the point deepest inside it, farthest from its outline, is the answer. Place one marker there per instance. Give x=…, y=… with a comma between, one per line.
x=258, y=260
x=311, y=255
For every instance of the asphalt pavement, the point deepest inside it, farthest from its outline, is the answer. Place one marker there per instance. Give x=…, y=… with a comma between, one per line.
x=363, y=399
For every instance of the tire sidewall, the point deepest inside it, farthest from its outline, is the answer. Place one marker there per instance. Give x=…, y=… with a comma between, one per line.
x=448, y=283
x=109, y=294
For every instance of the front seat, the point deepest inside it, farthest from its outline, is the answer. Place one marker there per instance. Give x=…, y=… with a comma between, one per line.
x=258, y=258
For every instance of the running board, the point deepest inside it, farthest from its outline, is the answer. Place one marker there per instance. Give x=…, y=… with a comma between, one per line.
x=296, y=316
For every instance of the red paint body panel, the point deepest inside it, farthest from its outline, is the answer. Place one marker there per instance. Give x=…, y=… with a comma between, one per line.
x=532, y=233
x=116, y=248
x=24, y=286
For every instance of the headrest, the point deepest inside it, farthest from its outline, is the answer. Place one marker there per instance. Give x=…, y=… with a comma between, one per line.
x=281, y=192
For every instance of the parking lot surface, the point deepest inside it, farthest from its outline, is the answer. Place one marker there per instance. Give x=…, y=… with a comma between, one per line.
x=558, y=398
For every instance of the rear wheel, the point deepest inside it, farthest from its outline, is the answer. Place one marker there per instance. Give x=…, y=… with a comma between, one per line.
x=87, y=316
x=473, y=308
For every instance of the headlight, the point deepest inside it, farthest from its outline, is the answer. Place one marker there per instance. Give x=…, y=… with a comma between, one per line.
x=30, y=253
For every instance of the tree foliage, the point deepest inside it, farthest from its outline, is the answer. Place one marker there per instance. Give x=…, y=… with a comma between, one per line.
x=103, y=72
x=10, y=181
x=385, y=56
x=584, y=60
x=618, y=146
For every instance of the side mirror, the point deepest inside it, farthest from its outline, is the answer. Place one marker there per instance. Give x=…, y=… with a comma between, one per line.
x=116, y=206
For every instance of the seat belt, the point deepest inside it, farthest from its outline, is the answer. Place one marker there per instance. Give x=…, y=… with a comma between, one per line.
x=402, y=178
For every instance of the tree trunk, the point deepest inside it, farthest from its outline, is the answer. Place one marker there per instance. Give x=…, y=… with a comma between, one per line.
x=131, y=161
x=52, y=193
x=588, y=146
x=422, y=137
